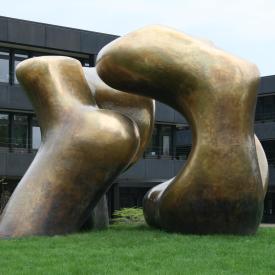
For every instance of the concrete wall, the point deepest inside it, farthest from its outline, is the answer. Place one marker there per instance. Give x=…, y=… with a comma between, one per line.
x=265, y=130
x=152, y=169
x=166, y=114
x=13, y=97
x=14, y=164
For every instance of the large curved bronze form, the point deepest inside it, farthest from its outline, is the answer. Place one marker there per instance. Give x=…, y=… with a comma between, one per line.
x=83, y=150
x=222, y=186
x=139, y=109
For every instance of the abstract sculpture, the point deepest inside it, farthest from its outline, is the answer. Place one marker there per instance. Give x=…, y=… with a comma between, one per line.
x=222, y=186
x=139, y=109
x=83, y=149
x=91, y=133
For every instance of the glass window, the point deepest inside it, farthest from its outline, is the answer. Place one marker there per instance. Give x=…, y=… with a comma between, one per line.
x=17, y=59
x=265, y=108
x=20, y=131
x=183, y=141
x=4, y=67
x=152, y=150
x=269, y=148
x=4, y=130
x=36, y=134
x=166, y=145
x=166, y=140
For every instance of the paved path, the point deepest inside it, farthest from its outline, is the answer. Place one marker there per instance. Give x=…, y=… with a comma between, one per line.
x=267, y=225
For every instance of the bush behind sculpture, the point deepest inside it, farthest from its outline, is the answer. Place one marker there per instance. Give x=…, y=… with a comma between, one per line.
x=131, y=215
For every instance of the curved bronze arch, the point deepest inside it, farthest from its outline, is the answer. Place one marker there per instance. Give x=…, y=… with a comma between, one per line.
x=222, y=186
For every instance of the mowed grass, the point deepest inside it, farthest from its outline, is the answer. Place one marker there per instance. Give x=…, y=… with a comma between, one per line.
x=132, y=249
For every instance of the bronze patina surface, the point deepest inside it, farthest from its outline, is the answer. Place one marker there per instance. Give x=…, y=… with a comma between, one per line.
x=83, y=150
x=140, y=109
x=222, y=186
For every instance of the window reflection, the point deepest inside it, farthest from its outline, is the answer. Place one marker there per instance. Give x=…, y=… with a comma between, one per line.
x=36, y=134
x=17, y=59
x=7, y=72
x=165, y=140
x=4, y=67
x=20, y=131
x=25, y=131
x=161, y=142
x=4, y=130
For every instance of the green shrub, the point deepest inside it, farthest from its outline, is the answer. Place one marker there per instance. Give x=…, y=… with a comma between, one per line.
x=133, y=215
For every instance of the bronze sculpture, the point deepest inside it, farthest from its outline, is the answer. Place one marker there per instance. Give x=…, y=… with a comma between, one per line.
x=139, y=109
x=83, y=149
x=222, y=186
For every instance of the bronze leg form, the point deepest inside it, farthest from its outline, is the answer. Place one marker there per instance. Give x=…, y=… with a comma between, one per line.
x=222, y=186
x=83, y=149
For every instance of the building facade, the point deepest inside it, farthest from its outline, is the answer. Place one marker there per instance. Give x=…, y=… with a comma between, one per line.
x=172, y=139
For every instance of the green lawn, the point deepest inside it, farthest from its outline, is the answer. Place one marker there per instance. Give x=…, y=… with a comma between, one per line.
x=139, y=250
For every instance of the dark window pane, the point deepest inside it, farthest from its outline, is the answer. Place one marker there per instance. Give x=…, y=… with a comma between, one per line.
x=131, y=197
x=265, y=108
x=4, y=130
x=183, y=141
x=269, y=148
x=36, y=134
x=4, y=67
x=152, y=150
x=20, y=131
x=17, y=59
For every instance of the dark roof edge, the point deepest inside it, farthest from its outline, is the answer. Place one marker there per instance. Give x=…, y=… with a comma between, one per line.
x=53, y=25
x=271, y=75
